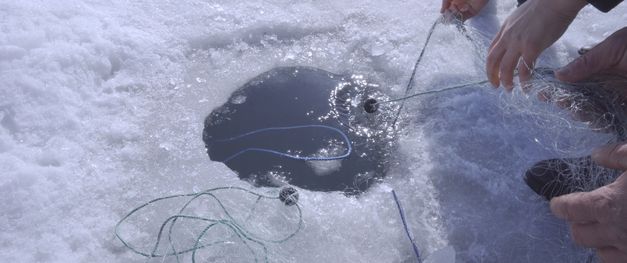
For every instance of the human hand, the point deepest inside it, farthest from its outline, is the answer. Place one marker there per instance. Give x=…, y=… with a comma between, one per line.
x=532, y=28
x=609, y=56
x=598, y=219
x=605, y=66
x=464, y=8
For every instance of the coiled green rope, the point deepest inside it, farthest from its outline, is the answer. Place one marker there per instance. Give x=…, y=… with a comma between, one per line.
x=237, y=228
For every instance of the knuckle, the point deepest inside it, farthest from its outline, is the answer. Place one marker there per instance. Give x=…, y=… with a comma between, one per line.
x=605, y=208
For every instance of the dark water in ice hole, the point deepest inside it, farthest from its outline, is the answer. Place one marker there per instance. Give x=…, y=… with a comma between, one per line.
x=292, y=96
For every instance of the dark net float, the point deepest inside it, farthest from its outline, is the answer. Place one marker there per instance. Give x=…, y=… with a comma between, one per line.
x=305, y=127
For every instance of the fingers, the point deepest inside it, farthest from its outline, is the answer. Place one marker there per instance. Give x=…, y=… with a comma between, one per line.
x=506, y=69
x=611, y=156
x=502, y=62
x=590, y=207
x=461, y=11
x=611, y=255
x=595, y=235
x=581, y=68
x=495, y=40
x=596, y=219
x=493, y=64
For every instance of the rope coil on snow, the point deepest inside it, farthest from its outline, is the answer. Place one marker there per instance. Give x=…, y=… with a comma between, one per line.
x=236, y=228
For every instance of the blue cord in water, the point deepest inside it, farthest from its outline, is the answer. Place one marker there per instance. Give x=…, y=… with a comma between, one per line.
x=349, y=147
x=400, y=211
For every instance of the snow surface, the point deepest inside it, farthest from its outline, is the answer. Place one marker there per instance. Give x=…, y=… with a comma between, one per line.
x=102, y=105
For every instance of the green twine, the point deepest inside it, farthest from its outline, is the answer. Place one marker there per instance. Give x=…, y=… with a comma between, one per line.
x=244, y=235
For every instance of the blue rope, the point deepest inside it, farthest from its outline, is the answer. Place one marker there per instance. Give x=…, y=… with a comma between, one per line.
x=349, y=147
x=400, y=211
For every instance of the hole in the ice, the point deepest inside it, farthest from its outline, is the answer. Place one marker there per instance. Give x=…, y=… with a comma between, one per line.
x=304, y=112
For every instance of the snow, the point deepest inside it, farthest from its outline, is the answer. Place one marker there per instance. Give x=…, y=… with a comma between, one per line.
x=102, y=105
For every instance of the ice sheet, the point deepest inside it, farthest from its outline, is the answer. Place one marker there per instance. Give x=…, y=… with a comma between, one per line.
x=102, y=105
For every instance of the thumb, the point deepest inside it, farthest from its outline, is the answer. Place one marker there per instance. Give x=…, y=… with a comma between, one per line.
x=611, y=156
x=600, y=205
x=590, y=63
x=608, y=54
x=582, y=207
